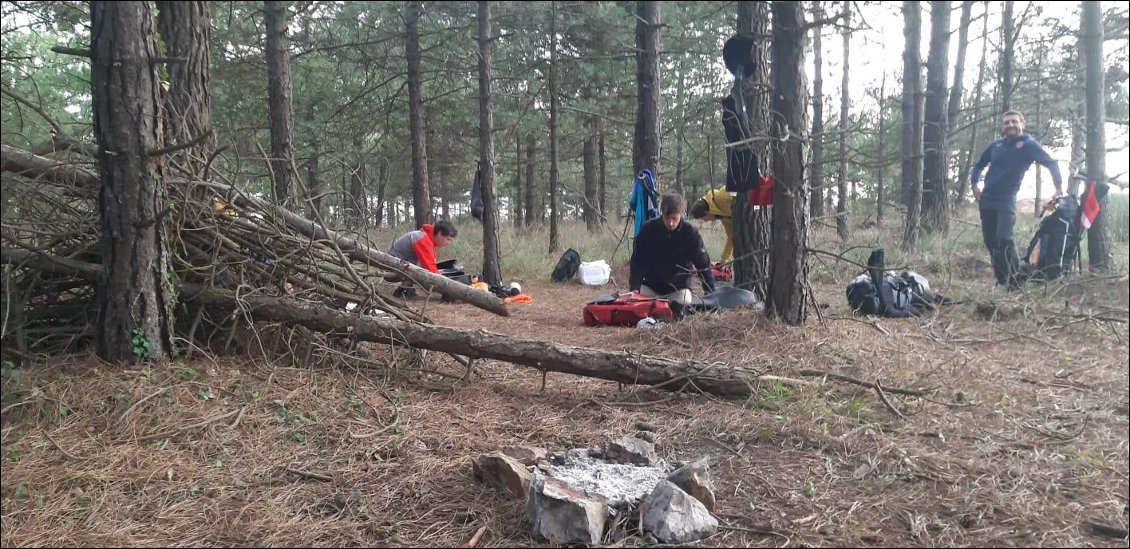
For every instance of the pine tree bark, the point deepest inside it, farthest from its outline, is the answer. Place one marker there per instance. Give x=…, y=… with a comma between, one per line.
x=751, y=224
x=1098, y=236
x=912, y=115
x=645, y=145
x=975, y=125
x=881, y=155
x=816, y=202
x=788, y=269
x=953, y=108
x=1008, y=39
x=185, y=28
x=531, y=147
x=492, y=256
x=279, y=102
x=845, y=100
x=935, y=193
x=603, y=185
x=553, y=237
x=588, y=209
x=421, y=193
x=135, y=319
x=519, y=198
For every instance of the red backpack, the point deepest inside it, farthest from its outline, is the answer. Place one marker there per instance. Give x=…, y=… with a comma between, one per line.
x=625, y=309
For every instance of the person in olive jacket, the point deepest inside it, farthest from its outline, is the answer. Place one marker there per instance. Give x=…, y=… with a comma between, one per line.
x=667, y=252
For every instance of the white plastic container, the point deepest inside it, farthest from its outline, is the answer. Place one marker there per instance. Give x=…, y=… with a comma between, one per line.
x=594, y=273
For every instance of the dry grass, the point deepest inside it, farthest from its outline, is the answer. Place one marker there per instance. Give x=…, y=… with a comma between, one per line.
x=1021, y=440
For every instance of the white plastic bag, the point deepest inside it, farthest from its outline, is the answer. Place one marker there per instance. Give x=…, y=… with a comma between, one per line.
x=594, y=273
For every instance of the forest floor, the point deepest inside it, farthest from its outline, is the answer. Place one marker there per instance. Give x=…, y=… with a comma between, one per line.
x=1022, y=439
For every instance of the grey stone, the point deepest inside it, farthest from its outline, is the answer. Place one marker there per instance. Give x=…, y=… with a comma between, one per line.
x=694, y=479
x=675, y=517
x=503, y=472
x=631, y=450
x=563, y=515
x=526, y=455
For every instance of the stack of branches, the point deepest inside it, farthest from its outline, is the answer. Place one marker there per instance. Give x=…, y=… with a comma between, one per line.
x=239, y=260
x=218, y=236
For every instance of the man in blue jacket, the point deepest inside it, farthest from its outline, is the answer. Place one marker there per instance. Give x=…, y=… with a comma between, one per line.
x=1007, y=158
x=667, y=252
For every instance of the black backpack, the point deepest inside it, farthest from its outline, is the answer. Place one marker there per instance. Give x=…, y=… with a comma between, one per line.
x=567, y=266
x=1053, y=248
x=890, y=294
x=477, y=195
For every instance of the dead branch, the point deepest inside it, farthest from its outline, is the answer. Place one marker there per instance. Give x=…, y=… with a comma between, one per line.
x=861, y=383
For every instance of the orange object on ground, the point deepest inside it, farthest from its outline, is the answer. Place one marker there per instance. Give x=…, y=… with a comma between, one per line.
x=520, y=298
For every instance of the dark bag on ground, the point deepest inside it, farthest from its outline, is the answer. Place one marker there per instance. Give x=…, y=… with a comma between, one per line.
x=454, y=270
x=725, y=297
x=567, y=266
x=1052, y=250
x=625, y=309
x=889, y=294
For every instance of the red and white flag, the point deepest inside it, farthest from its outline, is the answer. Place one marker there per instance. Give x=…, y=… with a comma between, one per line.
x=1091, y=207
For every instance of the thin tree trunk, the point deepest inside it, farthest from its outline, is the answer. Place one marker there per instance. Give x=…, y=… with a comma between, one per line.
x=1037, y=205
x=135, y=319
x=975, y=124
x=279, y=99
x=519, y=199
x=645, y=145
x=680, y=138
x=531, y=146
x=312, y=185
x=1008, y=38
x=912, y=114
x=421, y=191
x=935, y=196
x=788, y=269
x=816, y=203
x=845, y=100
x=553, y=238
x=492, y=255
x=881, y=154
x=382, y=184
x=958, y=88
x=603, y=184
x=589, y=208
x=1078, y=128
x=1098, y=237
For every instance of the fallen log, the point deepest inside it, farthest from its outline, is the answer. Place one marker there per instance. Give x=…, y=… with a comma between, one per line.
x=623, y=367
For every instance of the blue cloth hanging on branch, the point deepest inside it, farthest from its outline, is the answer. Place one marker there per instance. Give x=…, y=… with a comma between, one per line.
x=644, y=200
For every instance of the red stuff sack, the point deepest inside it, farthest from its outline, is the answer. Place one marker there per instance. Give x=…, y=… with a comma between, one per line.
x=625, y=309
x=763, y=195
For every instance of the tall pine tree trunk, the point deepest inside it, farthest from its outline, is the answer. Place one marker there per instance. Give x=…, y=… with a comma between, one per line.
x=279, y=100
x=135, y=318
x=519, y=195
x=1007, y=81
x=645, y=145
x=935, y=196
x=816, y=203
x=1098, y=237
x=845, y=100
x=492, y=255
x=953, y=108
x=553, y=238
x=421, y=191
x=531, y=146
x=589, y=208
x=975, y=124
x=880, y=155
x=751, y=224
x=788, y=269
x=912, y=106
x=1078, y=127
x=602, y=194
x=184, y=28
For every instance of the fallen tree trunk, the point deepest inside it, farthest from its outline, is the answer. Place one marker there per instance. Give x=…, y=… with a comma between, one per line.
x=617, y=366
x=365, y=254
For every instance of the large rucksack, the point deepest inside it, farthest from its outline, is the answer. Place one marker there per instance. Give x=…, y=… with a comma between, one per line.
x=886, y=293
x=567, y=266
x=1053, y=248
x=625, y=309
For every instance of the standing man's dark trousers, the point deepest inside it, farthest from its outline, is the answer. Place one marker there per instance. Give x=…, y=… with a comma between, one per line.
x=996, y=228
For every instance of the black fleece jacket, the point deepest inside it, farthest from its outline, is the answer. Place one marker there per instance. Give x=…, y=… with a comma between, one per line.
x=664, y=260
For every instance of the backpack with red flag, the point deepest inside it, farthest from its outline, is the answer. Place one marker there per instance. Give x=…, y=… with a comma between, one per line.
x=625, y=309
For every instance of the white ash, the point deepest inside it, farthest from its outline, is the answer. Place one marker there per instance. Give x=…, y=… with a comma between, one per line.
x=619, y=484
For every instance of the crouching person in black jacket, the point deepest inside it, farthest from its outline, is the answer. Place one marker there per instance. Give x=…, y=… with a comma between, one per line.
x=667, y=252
